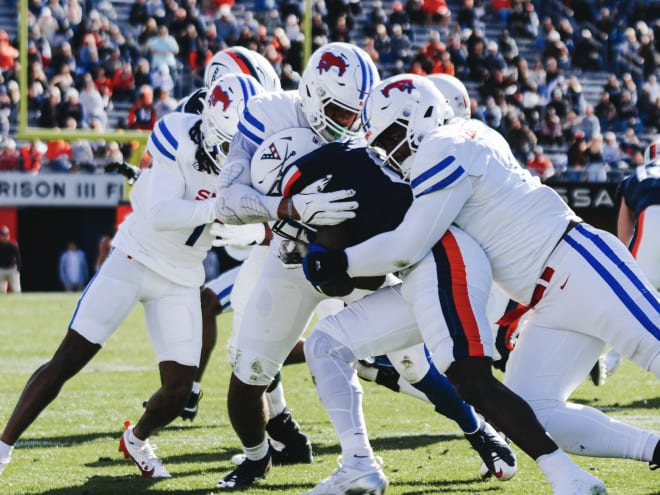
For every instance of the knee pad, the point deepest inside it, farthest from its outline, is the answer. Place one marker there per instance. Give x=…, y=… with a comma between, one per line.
x=319, y=345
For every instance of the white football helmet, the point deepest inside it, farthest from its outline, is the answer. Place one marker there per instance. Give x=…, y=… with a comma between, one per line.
x=398, y=113
x=335, y=83
x=223, y=105
x=240, y=60
x=651, y=152
x=270, y=168
x=456, y=93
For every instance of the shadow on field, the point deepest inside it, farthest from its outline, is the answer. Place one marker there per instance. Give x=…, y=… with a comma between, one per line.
x=653, y=403
x=445, y=486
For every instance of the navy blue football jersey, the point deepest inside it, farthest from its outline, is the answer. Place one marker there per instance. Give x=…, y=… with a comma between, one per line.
x=641, y=189
x=383, y=198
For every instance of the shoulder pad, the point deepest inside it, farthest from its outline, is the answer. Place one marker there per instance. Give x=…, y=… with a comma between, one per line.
x=171, y=137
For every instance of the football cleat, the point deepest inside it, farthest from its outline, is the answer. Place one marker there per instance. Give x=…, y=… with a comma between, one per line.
x=498, y=458
x=286, y=431
x=246, y=474
x=353, y=481
x=190, y=411
x=598, y=373
x=583, y=484
x=150, y=465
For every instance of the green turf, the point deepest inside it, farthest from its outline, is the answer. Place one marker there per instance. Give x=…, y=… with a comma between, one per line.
x=72, y=447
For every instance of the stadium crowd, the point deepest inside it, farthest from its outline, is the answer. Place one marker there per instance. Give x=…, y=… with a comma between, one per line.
x=91, y=68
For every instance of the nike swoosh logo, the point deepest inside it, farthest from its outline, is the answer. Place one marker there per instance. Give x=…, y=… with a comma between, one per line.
x=499, y=473
x=561, y=287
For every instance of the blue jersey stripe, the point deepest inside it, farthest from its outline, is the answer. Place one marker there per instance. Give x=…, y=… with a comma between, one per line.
x=616, y=287
x=159, y=146
x=447, y=181
x=84, y=292
x=248, y=134
x=624, y=268
x=435, y=169
x=252, y=120
x=168, y=135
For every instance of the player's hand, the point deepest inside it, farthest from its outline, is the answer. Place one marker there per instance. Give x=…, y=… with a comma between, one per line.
x=316, y=207
x=238, y=235
x=131, y=172
x=323, y=267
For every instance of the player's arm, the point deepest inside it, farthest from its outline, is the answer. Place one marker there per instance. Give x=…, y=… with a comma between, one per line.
x=625, y=225
x=426, y=221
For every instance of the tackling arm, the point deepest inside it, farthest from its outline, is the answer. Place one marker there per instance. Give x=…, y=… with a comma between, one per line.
x=625, y=225
x=425, y=223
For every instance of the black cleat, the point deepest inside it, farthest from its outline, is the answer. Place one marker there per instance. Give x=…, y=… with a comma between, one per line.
x=297, y=447
x=498, y=458
x=246, y=474
x=190, y=411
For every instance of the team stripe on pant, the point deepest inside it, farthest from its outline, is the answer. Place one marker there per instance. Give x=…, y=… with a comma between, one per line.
x=455, y=299
x=617, y=275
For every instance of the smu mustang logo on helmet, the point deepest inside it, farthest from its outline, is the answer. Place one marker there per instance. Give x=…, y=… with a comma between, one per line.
x=402, y=85
x=219, y=95
x=329, y=60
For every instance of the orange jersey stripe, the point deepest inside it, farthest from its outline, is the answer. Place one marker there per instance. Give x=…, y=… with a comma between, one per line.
x=639, y=233
x=286, y=192
x=461, y=296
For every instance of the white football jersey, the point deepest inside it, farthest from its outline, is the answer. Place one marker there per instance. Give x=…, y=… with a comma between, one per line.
x=516, y=220
x=173, y=206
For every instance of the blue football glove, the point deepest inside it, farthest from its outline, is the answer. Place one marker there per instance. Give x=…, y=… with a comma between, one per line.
x=323, y=267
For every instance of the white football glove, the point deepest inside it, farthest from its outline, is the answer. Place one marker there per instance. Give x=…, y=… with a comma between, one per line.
x=324, y=208
x=238, y=235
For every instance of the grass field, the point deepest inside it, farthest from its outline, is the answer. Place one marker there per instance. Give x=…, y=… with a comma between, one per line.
x=72, y=447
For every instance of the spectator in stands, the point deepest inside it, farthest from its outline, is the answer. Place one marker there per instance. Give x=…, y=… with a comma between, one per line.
x=400, y=16
x=226, y=25
x=627, y=115
x=521, y=139
x=164, y=103
x=31, y=154
x=556, y=49
x=492, y=113
x=400, y=45
x=149, y=31
x=10, y=263
x=340, y=30
x=162, y=78
x=123, y=83
x=508, y=48
x=597, y=168
x=290, y=78
x=70, y=107
x=551, y=131
x=58, y=156
x=630, y=142
x=9, y=156
x=611, y=149
x=374, y=18
x=382, y=44
x=415, y=10
x=138, y=15
x=576, y=156
x=587, y=53
x=558, y=103
x=163, y=49
x=469, y=17
x=606, y=111
x=434, y=10
x=73, y=268
x=589, y=122
x=142, y=115
x=444, y=65
x=5, y=112
x=91, y=101
x=523, y=20
x=8, y=53
x=540, y=165
x=571, y=125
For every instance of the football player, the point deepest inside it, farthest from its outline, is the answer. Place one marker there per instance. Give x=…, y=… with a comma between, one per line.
x=541, y=254
x=333, y=87
x=156, y=259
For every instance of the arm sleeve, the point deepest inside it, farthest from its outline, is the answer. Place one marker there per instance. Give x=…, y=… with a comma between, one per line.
x=425, y=223
x=238, y=202
x=167, y=210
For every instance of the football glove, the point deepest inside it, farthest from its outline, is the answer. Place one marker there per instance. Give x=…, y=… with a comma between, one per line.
x=131, y=172
x=238, y=235
x=323, y=267
x=316, y=207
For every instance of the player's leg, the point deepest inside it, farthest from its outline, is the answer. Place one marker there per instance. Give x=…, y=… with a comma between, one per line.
x=277, y=312
x=174, y=322
x=547, y=383
x=107, y=300
x=374, y=325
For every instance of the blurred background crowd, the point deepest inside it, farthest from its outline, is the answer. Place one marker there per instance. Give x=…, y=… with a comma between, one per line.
x=572, y=85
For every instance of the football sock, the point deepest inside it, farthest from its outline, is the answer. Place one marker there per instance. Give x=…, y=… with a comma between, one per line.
x=5, y=450
x=275, y=397
x=444, y=397
x=556, y=464
x=257, y=452
x=133, y=439
x=196, y=387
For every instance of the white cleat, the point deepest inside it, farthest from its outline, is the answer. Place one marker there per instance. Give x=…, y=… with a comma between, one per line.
x=582, y=484
x=150, y=465
x=348, y=480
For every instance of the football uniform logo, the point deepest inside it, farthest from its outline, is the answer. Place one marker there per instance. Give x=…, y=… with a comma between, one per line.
x=219, y=95
x=403, y=85
x=330, y=60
